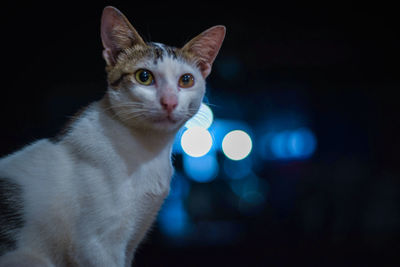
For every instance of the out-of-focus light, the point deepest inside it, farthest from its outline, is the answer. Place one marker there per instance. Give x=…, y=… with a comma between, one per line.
x=253, y=197
x=237, y=169
x=196, y=141
x=252, y=202
x=220, y=128
x=237, y=145
x=251, y=192
x=243, y=186
x=180, y=186
x=202, y=169
x=302, y=143
x=203, y=118
x=173, y=219
x=177, y=147
x=279, y=145
x=296, y=144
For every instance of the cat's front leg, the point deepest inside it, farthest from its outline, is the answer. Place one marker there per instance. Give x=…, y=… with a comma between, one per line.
x=95, y=254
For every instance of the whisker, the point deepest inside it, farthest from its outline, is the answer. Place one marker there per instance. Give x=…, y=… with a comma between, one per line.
x=132, y=116
x=213, y=105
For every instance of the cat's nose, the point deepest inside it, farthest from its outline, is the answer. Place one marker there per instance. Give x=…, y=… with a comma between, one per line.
x=169, y=102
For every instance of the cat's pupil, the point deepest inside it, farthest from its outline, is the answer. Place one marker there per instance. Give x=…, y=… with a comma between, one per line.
x=144, y=76
x=186, y=78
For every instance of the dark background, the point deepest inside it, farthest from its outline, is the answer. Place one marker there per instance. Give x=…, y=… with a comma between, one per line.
x=335, y=63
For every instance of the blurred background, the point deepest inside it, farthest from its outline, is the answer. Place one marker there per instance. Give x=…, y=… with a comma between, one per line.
x=298, y=140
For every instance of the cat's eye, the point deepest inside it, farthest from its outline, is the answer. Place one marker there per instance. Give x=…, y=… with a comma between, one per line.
x=144, y=77
x=186, y=80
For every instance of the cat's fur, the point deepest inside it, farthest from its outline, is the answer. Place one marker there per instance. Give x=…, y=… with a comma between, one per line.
x=87, y=197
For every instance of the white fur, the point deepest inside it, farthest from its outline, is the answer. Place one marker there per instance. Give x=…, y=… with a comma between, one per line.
x=166, y=74
x=90, y=198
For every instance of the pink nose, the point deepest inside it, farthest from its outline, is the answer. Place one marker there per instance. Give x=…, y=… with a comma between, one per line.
x=169, y=102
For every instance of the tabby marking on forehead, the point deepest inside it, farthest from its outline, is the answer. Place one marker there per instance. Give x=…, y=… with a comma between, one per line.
x=161, y=50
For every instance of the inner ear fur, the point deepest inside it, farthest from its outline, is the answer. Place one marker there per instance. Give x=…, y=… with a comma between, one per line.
x=117, y=34
x=205, y=47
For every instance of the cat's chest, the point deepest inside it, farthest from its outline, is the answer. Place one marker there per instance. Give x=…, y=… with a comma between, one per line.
x=129, y=206
x=150, y=178
x=136, y=191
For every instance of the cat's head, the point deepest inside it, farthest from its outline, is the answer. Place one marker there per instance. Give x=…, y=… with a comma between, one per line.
x=152, y=85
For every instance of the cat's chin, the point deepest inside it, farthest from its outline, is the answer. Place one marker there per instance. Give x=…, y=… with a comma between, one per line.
x=166, y=123
x=160, y=123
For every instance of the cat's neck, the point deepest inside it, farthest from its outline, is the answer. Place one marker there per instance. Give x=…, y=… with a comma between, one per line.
x=148, y=141
x=99, y=134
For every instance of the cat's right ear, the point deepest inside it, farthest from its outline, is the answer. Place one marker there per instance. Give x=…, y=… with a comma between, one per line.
x=117, y=34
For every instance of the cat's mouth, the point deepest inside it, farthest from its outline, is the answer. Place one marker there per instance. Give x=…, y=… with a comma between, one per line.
x=167, y=119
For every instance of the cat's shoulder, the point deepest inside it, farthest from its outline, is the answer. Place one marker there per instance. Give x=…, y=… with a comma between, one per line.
x=27, y=151
x=43, y=150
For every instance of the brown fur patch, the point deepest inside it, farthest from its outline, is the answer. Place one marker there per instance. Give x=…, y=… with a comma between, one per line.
x=128, y=59
x=126, y=62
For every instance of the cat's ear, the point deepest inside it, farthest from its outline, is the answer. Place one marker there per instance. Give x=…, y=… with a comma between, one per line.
x=117, y=34
x=205, y=47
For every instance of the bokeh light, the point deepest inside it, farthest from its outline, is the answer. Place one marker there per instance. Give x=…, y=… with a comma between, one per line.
x=302, y=143
x=237, y=145
x=203, y=118
x=237, y=169
x=279, y=145
x=296, y=144
x=173, y=218
x=201, y=169
x=196, y=141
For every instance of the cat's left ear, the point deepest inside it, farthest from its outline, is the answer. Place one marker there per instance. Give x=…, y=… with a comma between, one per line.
x=117, y=34
x=205, y=47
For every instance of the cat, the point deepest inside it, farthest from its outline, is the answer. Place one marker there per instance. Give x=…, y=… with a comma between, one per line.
x=88, y=197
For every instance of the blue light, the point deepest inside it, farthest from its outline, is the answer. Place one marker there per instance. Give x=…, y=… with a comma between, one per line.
x=237, y=169
x=264, y=146
x=180, y=187
x=254, y=197
x=243, y=186
x=296, y=144
x=173, y=219
x=301, y=143
x=177, y=148
x=203, y=118
x=202, y=169
x=220, y=128
x=279, y=145
x=251, y=192
x=252, y=202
